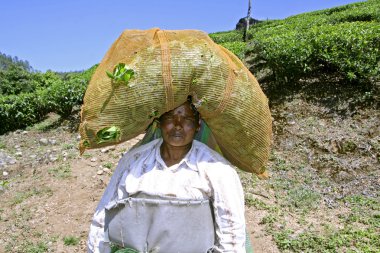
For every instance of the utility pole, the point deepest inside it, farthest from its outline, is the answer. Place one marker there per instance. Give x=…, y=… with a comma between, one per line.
x=247, y=21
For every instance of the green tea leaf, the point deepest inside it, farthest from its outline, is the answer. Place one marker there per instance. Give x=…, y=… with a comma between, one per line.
x=109, y=74
x=86, y=143
x=108, y=134
x=126, y=250
x=194, y=81
x=121, y=74
x=154, y=114
x=127, y=77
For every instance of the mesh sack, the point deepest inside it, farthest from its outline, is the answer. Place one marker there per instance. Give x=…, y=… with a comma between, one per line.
x=168, y=66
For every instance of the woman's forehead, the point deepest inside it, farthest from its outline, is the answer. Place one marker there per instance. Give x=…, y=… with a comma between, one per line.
x=184, y=109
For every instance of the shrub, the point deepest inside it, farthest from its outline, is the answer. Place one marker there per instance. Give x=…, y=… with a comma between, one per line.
x=16, y=80
x=236, y=47
x=223, y=37
x=19, y=111
x=70, y=92
x=351, y=49
x=320, y=42
x=50, y=93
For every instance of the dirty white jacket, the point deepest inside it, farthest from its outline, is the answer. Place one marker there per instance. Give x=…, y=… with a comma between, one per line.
x=202, y=173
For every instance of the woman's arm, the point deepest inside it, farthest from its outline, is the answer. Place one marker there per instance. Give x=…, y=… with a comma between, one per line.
x=96, y=243
x=228, y=204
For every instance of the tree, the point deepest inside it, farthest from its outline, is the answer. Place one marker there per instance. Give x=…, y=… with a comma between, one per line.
x=247, y=21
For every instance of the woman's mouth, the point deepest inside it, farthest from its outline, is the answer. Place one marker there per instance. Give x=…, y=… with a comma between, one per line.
x=177, y=135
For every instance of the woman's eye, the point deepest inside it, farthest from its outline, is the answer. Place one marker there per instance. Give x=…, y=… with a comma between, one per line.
x=168, y=119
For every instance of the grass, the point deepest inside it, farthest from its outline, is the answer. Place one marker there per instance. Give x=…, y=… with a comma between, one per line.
x=4, y=184
x=359, y=201
x=269, y=220
x=22, y=196
x=2, y=145
x=72, y=155
x=70, y=149
x=71, y=240
x=61, y=171
x=295, y=205
x=39, y=247
x=50, y=122
x=87, y=155
x=28, y=240
x=364, y=210
x=108, y=165
x=340, y=240
x=255, y=202
x=67, y=146
x=27, y=244
x=303, y=198
x=357, y=230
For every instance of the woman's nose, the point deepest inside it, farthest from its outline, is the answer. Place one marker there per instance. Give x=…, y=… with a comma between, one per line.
x=178, y=122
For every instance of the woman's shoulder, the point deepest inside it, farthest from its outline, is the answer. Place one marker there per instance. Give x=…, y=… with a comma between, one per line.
x=211, y=161
x=141, y=150
x=209, y=154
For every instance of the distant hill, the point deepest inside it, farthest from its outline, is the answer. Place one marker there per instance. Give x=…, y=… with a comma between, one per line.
x=6, y=61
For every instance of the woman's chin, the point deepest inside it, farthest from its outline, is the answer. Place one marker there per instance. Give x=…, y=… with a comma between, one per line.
x=178, y=142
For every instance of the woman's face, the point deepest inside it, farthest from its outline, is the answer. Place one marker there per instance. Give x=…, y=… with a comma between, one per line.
x=179, y=126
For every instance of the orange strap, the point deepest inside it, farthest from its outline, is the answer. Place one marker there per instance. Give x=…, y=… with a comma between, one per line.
x=166, y=69
x=227, y=90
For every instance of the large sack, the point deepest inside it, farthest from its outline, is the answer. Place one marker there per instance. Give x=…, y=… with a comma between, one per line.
x=168, y=66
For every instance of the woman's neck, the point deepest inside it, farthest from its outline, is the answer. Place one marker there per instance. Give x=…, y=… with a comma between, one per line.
x=172, y=154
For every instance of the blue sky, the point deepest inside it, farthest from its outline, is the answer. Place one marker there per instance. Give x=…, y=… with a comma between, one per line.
x=75, y=34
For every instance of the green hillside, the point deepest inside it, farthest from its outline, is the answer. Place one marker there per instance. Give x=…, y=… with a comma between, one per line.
x=343, y=40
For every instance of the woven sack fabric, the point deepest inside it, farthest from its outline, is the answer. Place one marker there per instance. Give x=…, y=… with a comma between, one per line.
x=168, y=66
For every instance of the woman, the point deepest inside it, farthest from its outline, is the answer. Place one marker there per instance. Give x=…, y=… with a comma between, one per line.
x=173, y=194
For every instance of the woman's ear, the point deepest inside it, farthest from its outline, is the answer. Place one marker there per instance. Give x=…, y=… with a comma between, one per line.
x=199, y=124
x=157, y=123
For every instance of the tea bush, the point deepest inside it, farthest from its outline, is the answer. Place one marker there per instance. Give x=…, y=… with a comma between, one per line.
x=18, y=111
x=236, y=47
x=223, y=37
x=48, y=93
x=349, y=49
x=341, y=41
x=16, y=80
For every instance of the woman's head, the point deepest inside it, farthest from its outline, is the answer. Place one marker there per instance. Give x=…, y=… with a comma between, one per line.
x=179, y=126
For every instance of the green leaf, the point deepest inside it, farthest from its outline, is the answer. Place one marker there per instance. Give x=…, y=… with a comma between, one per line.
x=126, y=250
x=154, y=114
x=194, y=81
x=86, y=143
x=126, y=78
x=108, y=134
x=109, y=74
x=121, y=74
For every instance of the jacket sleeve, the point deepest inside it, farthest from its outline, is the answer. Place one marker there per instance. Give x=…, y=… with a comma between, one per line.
x=228, y=205
x=96, y=239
